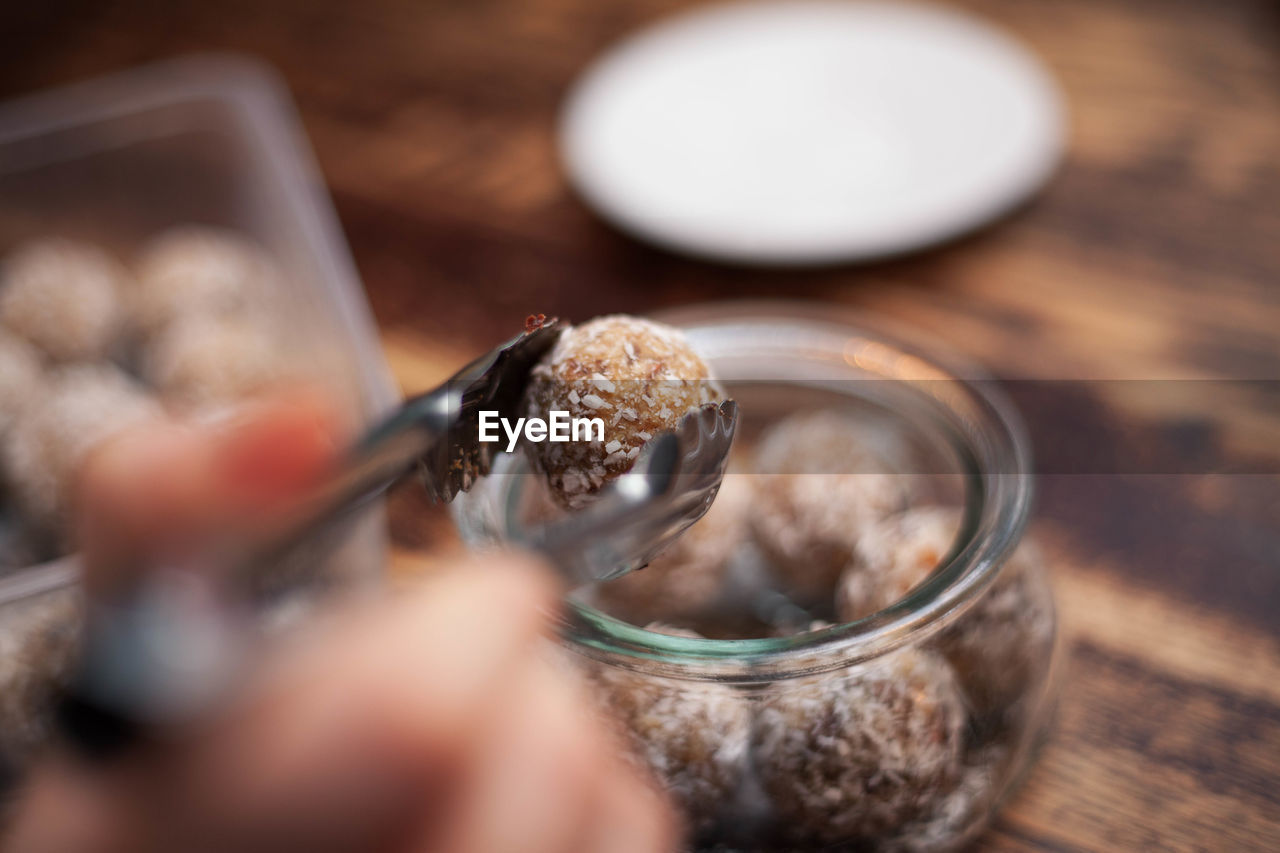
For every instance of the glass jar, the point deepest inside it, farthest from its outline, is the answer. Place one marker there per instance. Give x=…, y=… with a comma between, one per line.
x=808, y=715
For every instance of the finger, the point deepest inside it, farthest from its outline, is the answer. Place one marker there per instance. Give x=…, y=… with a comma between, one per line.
x=630, y=815
x=355, y=735
x=62, y=809
x=626, y=811
x=158, y=489
x=533, y=774
x=629, y=812
x=273, y=450
x=143, y=486
x=350, y=738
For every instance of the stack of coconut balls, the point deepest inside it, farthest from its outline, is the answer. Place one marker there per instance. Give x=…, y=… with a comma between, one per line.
x=905, y=751
x=910, y=746
x=90, y=345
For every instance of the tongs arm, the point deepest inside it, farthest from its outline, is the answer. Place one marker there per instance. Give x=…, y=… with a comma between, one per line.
x=434, y=434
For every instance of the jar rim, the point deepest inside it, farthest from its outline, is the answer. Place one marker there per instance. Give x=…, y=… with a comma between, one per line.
x=996, y=454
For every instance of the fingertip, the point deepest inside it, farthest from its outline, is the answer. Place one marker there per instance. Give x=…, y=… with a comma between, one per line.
x=270, y=450
x=453, y=645
x=660, y=828
x=162, y=484
x=632, y=816
x=116, y=462
x=499, y=584
x=517, y=579
x=140, y=488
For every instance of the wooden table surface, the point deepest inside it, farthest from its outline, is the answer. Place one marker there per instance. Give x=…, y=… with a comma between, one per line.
x=1155, y=253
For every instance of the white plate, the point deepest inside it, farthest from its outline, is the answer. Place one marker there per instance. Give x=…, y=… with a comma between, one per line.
x=811, y=132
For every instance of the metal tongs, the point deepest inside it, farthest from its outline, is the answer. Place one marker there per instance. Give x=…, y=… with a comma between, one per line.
x=164, y=651
x=670, y=486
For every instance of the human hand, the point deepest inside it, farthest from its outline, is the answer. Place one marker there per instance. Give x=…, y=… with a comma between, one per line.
x=434, y=722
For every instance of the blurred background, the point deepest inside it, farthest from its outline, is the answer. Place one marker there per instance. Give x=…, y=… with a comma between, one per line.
x=1152, y=254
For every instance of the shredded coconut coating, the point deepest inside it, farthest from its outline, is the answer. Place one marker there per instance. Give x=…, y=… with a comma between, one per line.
x=1001, y=647
x=820, y=487
x=693, y=736
x=37, y=645
x=960, y=816
x=638, y=376
x=196, y=269
x=893, y=556
x=998, y=647
x=82, y=406
x=65, y=297
x=858, y=753
x=201, y=360
x=20, y=374
x=688, y=578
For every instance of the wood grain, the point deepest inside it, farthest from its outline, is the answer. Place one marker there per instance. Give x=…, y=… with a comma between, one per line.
x=1155, y=253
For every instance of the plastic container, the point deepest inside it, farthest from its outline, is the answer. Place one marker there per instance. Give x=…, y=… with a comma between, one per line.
x=212, y=140
x=901, y=729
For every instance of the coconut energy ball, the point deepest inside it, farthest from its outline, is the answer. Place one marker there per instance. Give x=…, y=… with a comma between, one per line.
x=203, y=360
x=958, y=817
x=198, y=270
x=638, y=376
x=65, y=298
x=892, y=557
x=1000, y=646
x=37, y=645
x=820, y=485
x=996, y=647
x=858, y=753
x=20, y=372
x=688, y=578
x=692, y=735
x=80, y=407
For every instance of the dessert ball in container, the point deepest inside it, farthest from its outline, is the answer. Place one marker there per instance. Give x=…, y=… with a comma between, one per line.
x=692, y=737
x=78, y=408
x=995, y=646
x=863, y=753
x=823, y=482
x=20, y=373
x=892, y=557
x=895, y=703
x=687, y=583
x=66, y=297
x=638, y=377
x=201, y=361
x=38, y=639
x=200, y=270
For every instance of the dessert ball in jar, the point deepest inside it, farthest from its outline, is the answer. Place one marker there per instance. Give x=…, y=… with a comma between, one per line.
x=691, y=736
x=822, y=483
x=903, y=714
x=996, y=645
x=636, y=377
